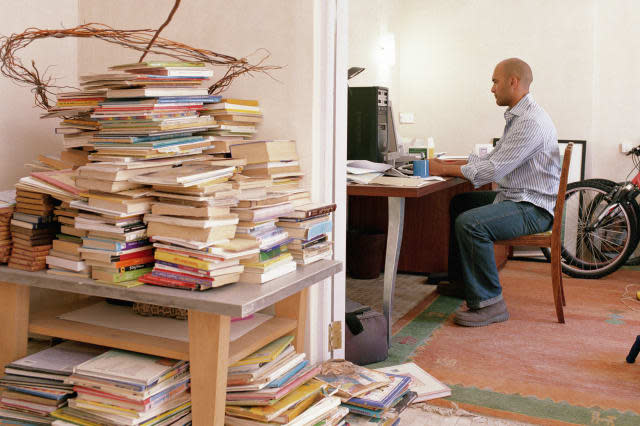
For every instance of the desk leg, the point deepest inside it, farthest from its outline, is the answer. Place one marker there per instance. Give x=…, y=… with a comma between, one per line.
x=394, y=242
x=14, y=317
x=295, y=307
x=208, y=356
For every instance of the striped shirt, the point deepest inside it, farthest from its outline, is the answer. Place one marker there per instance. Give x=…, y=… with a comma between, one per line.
x=525, y=162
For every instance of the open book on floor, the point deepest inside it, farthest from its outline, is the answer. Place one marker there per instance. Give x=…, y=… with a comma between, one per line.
x=425, y=385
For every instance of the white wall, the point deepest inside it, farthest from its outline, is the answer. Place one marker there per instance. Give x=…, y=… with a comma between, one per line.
x=582, y=52
x=23, y=135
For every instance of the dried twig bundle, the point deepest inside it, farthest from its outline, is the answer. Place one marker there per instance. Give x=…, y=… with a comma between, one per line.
x=145, y=40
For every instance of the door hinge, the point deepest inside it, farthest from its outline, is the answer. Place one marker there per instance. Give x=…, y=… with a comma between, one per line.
x=335, y=335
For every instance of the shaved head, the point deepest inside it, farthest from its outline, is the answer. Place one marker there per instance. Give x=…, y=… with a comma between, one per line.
x=511, y=80
x=514, y=67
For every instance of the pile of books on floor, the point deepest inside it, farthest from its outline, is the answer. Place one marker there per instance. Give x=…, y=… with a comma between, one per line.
x=34, y=386
x=32, y=230
x=276, y=385
x=308, y=226
x=379, y=396
x=7, y=206
x=128, y=388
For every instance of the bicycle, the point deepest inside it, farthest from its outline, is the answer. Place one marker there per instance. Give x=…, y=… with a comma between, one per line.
x=600, y=225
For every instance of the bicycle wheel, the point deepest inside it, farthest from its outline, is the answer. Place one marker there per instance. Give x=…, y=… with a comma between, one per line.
x=634, y=258
x=609, y=183
x=597, y=236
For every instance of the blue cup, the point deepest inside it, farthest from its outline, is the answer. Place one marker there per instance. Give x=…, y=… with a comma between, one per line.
x=421, y=168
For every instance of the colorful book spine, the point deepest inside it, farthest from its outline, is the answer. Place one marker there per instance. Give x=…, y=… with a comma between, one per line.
x=134, y=255
x=182, y=260
x=129, y=275
x=166, y=282
x=319, y=229
x=119, y=246
x=182, y=277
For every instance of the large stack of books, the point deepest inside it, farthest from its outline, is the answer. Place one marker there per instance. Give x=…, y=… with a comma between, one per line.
x=32, y=230
x=144, y=120
x=37, y=192
x=7, y=206
x=190, y=217
x=308, y=226
x=259, y=208
x=34, y=386
x=115, y=246
x=120, y=387
x=276, y=385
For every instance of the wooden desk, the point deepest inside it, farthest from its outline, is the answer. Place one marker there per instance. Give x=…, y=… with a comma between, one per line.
x=395, y=225
x=412, y=232
x=208, y=350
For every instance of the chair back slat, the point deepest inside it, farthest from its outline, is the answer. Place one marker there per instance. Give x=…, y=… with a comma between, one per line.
x=562, y=189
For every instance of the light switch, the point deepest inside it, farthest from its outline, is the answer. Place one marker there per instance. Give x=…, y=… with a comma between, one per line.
x=407, y=118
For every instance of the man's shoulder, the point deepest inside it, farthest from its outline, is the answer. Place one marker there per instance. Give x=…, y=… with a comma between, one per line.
x=534, y=115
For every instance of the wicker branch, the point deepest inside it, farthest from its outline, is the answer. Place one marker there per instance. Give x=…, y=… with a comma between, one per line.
x=143, y=40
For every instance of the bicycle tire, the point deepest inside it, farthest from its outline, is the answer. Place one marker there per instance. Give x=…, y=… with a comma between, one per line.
x=634, y=258
x=594, y=248
x=546, y=252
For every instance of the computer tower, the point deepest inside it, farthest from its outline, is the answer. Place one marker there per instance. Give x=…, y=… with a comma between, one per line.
x=367, y=123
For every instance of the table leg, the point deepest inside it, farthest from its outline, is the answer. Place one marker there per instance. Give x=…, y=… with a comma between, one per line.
x=295, y=307
x=208, y=356
x=14, y=317
x=394, y=242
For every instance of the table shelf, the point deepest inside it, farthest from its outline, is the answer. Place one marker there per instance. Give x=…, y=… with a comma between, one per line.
x=209, y=350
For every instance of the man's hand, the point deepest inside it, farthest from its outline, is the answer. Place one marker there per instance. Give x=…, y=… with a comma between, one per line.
x=446, y=167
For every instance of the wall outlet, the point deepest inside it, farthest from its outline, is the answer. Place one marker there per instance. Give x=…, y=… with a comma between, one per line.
x=407, y=118
x=626, y=147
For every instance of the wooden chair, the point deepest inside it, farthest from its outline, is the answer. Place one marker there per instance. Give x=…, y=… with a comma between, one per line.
x=551, y=238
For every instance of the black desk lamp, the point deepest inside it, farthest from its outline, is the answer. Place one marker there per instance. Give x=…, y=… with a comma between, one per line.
x=353, y=71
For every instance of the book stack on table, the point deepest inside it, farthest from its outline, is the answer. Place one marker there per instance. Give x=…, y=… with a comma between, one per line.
x=275, y=161
x=44, y=187
x=189, y=221
x=275, y=385
x=128, y=388
x=308, y=226
x=34, y=386
x=115, y=245
x=147, y=121
x=32, y=230
x=7, y=206
x=235, y=118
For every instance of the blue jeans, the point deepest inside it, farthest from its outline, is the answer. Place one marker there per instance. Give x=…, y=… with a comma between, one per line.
x=475, y=224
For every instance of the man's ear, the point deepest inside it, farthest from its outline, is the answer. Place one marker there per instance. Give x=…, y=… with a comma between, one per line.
x=514, y=82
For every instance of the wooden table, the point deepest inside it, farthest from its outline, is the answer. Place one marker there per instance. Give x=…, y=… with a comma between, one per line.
x=396, y=197
x=425, y=245
x=208, y=349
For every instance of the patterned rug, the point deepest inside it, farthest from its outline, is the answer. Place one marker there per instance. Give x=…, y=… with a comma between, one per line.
x=531, y=368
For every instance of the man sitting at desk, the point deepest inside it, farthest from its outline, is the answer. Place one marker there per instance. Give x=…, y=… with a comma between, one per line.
x=526, y=166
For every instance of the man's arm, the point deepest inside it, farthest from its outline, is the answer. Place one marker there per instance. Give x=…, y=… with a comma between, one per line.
x=446, y=167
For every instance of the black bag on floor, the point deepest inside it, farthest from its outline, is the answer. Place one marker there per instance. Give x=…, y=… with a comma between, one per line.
x=365, y=334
